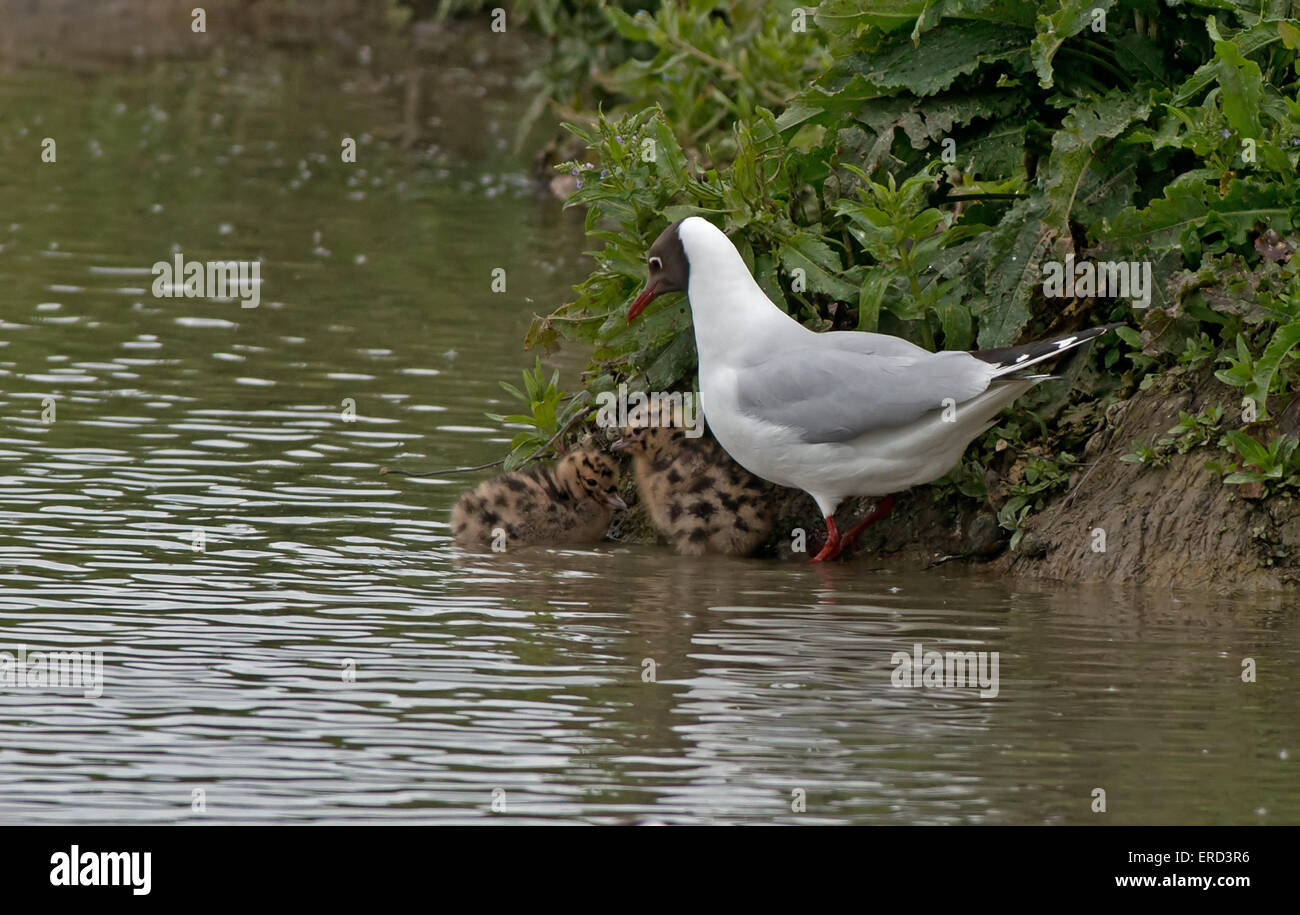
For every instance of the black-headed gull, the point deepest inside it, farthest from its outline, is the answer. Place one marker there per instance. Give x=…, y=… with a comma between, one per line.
x=835, y=414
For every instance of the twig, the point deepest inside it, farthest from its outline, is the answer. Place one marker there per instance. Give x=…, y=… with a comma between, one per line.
x=1069, y=500
x=948, y=558
x=383, y=471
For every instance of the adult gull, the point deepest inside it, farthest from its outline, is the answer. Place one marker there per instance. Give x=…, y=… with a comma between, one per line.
x=836, y=414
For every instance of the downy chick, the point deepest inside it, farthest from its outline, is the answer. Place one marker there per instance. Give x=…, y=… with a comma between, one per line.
x=695, y=493
x=567, y=503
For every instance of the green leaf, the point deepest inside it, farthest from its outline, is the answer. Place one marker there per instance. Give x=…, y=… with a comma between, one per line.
x=821, y=265
x=996, y=153
x=1052, y=31
x=1074, y=146
x=1015, y=269
x=872, y=295
x=1011, y=12
x=1242, y=83
x=955, y=318
x=1248, y=42
x=670, y=163
x=1191, y=203
x=636, y=28
x=942, y=57
x=842, y=17
x=1251, y=451
x=673, y=364
x=1289, y=34
x=796, y=114
x=1130, y=336
x=1284, y=339
x=931, y=119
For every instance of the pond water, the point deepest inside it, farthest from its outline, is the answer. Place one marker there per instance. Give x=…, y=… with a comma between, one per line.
x=328, y=657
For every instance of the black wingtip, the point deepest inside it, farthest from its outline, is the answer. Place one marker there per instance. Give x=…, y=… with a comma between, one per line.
x=1015, y=358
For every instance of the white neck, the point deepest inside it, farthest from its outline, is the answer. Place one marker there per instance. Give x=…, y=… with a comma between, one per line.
x=726, y=303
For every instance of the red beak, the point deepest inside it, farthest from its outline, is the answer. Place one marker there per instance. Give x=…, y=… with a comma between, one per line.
x=640, y=302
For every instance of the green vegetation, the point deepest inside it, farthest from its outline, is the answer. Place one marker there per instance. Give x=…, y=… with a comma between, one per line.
x=549, y=414
x=1042, y=479
x=1277, y=464
x=911, y=165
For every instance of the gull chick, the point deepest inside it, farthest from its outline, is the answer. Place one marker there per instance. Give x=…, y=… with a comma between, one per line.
x=835, y=414
x=568, y=503
x=695, y=493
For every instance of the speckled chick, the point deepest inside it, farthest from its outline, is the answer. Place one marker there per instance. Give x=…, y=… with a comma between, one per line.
x=568, y=503
x=695, y=493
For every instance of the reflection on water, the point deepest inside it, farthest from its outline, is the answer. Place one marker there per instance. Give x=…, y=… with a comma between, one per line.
x=618, y=684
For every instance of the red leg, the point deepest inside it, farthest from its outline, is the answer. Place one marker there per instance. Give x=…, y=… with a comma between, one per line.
x=883, y=508
x=833, y=543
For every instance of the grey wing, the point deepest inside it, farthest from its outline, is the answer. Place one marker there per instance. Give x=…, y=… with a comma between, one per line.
x=831, y=394
x=866, y=344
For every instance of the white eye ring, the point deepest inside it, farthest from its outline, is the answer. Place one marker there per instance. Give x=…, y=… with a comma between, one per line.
x=656, y=264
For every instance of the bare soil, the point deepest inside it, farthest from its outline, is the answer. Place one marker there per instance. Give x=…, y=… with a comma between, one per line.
x=1176, y=525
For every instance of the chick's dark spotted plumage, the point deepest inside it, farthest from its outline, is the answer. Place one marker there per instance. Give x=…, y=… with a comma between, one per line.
x=568, y=503
x=695, y=493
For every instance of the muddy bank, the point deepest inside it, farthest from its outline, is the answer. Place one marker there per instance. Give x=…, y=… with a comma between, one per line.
x=1175, y=525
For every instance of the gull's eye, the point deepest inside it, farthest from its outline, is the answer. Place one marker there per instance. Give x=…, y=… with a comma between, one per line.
x=656, y=264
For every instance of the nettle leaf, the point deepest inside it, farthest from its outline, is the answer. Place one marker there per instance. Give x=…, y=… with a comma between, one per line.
x=673, y=363
x=937, y=62
x=1245, y=204
x=820, y=264
x=1074, y=146
x=997, y=153
x=1053, y=29
x=931, y=119
x=846, y=17
x=660, y=327
x=1159, y=226
x=1015, y=268
x=1101, y=196
x=1011, y=12
x=768, y=279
